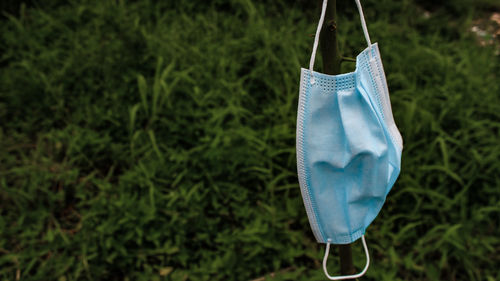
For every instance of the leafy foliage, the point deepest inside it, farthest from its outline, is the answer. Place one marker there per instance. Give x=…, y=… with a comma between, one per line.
x=156, y=141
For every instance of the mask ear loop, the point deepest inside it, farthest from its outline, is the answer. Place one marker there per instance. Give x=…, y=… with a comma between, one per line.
x=316, y=40
x=318, y=30
x=365, y=28
x=327, y=251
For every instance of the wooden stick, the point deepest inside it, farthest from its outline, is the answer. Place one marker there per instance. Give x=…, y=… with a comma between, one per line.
x=331, y=65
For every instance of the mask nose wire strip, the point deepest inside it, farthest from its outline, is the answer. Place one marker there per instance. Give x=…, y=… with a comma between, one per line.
x=318, y=30
x=345, y=277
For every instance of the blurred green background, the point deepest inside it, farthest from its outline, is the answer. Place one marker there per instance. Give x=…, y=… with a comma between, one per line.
x=155, y=140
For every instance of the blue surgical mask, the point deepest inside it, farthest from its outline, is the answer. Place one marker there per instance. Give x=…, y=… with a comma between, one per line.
x=348, y=147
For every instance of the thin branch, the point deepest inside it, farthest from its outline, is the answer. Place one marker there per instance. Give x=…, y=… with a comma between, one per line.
x=348, y=59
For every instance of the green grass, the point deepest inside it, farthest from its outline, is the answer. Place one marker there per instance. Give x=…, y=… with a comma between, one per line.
x=149, y=141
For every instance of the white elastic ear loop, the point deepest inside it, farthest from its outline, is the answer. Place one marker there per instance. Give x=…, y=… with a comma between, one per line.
x=365, y=28
x=316, y=39
x=327, y=251
x=318, y=30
